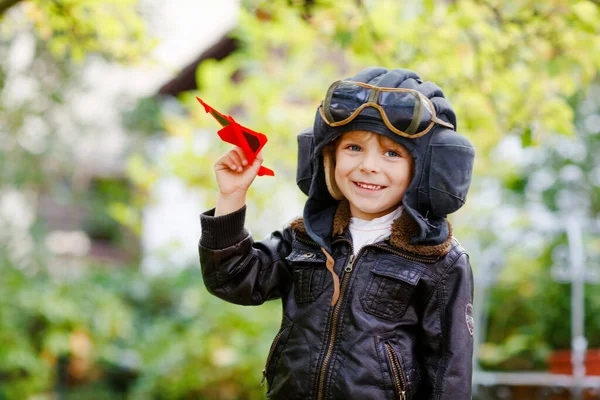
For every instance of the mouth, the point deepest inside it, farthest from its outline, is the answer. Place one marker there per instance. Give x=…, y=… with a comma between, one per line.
x=369, y=186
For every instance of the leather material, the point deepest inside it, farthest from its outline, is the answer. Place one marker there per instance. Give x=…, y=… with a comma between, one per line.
x=390, y=306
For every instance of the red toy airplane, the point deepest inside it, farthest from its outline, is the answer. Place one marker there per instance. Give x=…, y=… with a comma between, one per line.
x=249, y=141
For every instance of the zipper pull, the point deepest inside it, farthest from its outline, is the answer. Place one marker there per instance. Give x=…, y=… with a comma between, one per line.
x=350, y=263
x=262, y=381
x=403, y=395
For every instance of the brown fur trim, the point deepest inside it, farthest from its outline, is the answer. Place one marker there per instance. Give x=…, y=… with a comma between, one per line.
x=298, y=225
x=341, y=220
x=403, y=229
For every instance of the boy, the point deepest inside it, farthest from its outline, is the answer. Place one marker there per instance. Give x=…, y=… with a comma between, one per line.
x=376, y=292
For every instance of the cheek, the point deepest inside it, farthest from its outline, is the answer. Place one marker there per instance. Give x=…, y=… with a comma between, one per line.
x=338, y=174
x=405, y=173
x=341, y=167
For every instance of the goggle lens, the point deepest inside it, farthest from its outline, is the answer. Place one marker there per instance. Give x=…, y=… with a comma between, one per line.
x=407, y=111
x=345, y=99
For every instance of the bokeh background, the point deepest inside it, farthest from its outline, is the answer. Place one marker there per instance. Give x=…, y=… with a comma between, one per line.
x=106, y=162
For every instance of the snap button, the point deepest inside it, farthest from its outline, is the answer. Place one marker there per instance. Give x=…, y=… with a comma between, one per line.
x=309, y=255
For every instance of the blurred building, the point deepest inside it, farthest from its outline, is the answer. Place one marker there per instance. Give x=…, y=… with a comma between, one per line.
x=188, y=31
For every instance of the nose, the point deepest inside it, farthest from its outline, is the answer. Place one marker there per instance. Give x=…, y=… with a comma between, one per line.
x=369, y=163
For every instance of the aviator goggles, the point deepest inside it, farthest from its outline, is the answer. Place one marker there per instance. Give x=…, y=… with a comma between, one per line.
x=406, y=112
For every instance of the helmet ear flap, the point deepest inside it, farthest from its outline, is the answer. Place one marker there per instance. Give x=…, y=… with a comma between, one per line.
x=304, y=168
x=329, y=166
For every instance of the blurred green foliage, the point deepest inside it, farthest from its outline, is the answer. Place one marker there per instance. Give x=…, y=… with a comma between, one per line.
x=37, y=127
x=76, y=29
x=512, y=70
x=149, y=337
x=529, y=310
x=507, y=69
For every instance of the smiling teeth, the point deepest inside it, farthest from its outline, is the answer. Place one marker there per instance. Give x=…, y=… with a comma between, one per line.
x=371, y=187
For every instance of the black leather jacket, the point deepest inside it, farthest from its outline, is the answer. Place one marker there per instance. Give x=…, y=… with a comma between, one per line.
x=401, y=328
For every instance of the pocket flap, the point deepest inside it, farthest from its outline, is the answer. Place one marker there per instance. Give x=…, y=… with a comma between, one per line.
x=306, y=256
x=406, y=272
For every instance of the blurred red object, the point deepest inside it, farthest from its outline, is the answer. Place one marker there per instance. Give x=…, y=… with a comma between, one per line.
x=559, y=362
x=251, y=142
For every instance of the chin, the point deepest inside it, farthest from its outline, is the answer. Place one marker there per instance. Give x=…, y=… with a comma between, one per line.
x=370, y=210
x=373, y=211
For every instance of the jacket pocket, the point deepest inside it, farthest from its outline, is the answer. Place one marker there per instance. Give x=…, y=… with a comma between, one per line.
x=275, y=352
x=390, y=287
x=308, y=268
x=396, y=372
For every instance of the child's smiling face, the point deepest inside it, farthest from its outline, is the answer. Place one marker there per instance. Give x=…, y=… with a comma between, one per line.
x=372, y=172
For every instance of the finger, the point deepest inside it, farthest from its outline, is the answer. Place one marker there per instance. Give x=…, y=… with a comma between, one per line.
x=225, y=161
x=243, y=159
x=257, y=162
x=235, y=157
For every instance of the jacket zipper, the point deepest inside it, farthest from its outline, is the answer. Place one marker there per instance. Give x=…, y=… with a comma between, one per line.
x=411, y=257
x=337, y=307
x=397, y=374
x=336, y=311
x=271, y=351
x=306, y=241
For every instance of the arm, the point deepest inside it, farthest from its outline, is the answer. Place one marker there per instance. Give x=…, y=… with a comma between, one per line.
x=234, y=267
x=234, y=177
x=448, y=339
x=237, y=269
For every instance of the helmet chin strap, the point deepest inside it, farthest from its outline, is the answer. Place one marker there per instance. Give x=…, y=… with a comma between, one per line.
x=336, y=279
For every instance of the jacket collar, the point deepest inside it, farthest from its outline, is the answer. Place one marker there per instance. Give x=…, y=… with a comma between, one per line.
x=403, y=229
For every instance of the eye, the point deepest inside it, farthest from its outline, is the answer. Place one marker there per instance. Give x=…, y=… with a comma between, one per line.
x=354, y=147
x=392, y=153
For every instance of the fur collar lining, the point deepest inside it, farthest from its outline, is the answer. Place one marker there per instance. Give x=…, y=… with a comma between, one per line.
x=403, y=229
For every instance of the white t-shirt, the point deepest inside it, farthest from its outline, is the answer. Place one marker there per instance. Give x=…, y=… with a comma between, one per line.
x=367, y=232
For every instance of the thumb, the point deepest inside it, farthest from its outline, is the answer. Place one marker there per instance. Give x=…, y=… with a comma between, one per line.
x=257, y=161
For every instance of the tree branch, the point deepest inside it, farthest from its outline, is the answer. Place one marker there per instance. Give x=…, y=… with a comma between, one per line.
x=6, y=4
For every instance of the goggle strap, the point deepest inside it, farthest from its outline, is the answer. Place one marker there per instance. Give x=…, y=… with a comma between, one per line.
x=434, y=117
x=416, y=118
x=442, y=122
x=373, y=96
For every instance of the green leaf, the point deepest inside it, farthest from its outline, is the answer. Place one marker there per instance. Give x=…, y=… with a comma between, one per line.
x=588, y=13
x=526, y=138
x=429, y=6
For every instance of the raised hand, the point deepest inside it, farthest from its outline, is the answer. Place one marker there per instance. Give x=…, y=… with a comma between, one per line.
x=234, y=177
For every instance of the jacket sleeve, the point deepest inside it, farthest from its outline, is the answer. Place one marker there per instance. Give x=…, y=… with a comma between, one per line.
x=448, y=334
x=237, y=269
